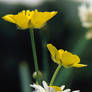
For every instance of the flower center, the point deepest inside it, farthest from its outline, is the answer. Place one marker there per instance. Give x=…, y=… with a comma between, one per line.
x=56, y=88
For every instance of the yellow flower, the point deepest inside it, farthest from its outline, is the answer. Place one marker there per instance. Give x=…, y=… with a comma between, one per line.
x=64, y=58
x=30, y=19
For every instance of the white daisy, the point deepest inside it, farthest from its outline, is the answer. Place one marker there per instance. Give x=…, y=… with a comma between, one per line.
x=47, y=88
x=23, y=2
x=85, y=14
x=89, y=35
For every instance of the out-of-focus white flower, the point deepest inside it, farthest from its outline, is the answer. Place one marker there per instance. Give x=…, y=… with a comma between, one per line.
x=23, y=2
x=83, y=1
x=85, y=14
x=76, y=0
x=89, y=35
x=47, y=88
x=32, y=2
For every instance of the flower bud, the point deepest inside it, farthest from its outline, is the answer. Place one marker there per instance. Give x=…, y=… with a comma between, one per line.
x=39, y=73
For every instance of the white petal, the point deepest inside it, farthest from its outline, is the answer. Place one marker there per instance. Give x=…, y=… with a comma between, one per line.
x=67, y=90
x=45, y=85
x=51, y=89
x=62, y=87
x=34, y=86
x=38, y=88
x=41, y=89
x=76, y=91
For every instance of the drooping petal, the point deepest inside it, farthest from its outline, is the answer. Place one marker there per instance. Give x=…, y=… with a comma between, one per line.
x=9, y=18
x=22, y=19
x=79, y=65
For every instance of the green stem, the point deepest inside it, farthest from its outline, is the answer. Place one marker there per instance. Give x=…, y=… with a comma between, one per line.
x=55, y=74
x=34, y=54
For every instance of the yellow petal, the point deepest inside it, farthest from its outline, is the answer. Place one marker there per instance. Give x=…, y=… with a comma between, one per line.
x=9, y=18
x=54, y=53
x=22, y=13
x=77, y=59
x=56, y=59
x=28, y=13
x=38, y=19
x=36, y=10
x=61, y=51
x=79, y=65
x=68, y=59
x=22, y=19
x=52, y=49
x=59, y=56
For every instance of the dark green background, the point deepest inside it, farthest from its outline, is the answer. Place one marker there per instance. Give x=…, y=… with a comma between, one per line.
x=64, y=31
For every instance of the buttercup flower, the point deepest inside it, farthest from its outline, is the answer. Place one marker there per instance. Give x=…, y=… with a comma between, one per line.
x=30, y=19
x=47, y=88
x=64, y=58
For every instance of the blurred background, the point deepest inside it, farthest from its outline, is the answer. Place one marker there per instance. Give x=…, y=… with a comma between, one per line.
x=64, y=31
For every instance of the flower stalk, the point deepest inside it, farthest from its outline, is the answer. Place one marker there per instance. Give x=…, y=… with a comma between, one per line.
x=55, y=74
x=34, y=55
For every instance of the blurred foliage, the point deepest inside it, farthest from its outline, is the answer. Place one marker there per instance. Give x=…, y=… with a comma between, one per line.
x=64, y=31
